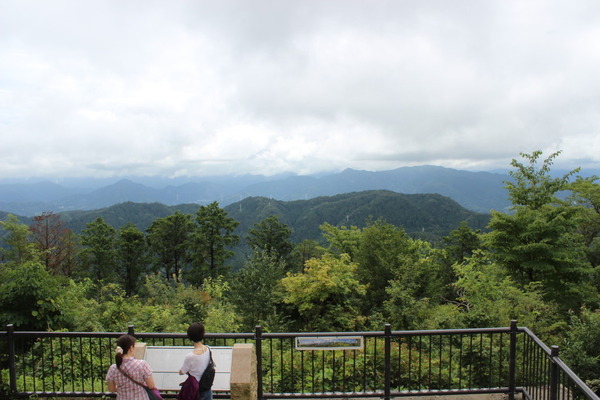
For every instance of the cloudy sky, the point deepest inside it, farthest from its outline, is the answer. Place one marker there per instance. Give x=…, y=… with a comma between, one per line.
x=189, y=88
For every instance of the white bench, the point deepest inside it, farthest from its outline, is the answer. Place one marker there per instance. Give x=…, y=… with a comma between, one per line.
x=165, y=362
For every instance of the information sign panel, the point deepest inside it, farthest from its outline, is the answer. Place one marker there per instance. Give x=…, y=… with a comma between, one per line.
x=329, y=343
x=165, y=362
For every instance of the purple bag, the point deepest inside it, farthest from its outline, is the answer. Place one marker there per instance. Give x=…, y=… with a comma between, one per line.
x=153, y=394
x=189, y=389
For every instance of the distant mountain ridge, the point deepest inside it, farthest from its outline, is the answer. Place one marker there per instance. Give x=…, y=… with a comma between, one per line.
x=425, y=216
x=429, y=214
x=476, y=191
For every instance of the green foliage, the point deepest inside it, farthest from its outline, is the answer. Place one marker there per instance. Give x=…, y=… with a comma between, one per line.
x=415, y=290
x=255, y=293
x=343, y=240
x=99, y=251
x=540, y=241
x=29, y=297
x=487, y=297
x=533, y=186
x=220, y=313
x=17, y=247
x=585, y=194
x=581, y=346
x=326, y=294
x=212, y=238
x=132, y=257
x=383, y=251
x=169, y=242
x=304, y=251
x=272, y=236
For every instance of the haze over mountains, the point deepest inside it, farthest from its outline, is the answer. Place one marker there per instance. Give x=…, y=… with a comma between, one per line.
x=476, y=191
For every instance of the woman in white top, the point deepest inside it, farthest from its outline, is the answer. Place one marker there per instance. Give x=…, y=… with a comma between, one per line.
x=196, y=361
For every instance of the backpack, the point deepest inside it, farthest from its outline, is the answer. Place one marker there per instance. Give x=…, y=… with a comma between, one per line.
x=208, y=376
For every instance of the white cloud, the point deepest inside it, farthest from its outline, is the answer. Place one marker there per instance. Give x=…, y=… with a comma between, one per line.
x=107, y=88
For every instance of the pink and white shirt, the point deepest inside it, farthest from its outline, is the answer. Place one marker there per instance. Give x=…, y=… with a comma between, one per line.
x=126, y=389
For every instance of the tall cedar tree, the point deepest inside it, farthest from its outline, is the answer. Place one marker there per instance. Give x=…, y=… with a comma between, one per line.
x=271, y=236
x=212, y=238
x=169, y=243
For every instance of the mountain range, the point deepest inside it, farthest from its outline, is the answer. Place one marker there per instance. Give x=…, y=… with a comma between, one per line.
x=476, y=191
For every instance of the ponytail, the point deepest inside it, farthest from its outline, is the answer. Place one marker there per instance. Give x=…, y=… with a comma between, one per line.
x=124, y=344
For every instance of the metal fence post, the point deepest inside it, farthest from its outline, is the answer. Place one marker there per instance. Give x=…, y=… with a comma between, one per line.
x=10, y=331
x=553, y=373
x=259, y=377
x=512, y=366
x=131, y=330
x=388, y=361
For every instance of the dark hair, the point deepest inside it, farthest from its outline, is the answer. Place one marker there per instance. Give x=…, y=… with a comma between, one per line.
x=195, y=332
x=125, y=342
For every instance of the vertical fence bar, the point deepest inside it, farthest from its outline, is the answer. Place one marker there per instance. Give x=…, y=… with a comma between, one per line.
x=512, y=360
x=553, y=373
x=10, y=330
x=460, y=360
x=259, y=374
x=388, y=361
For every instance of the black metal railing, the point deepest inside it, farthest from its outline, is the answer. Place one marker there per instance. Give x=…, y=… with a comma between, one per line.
x=388, y=364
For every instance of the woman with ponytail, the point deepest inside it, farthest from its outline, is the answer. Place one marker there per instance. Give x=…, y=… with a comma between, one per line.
x=127, y=374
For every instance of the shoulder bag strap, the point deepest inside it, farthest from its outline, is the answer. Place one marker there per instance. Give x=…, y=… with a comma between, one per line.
x=130, y=378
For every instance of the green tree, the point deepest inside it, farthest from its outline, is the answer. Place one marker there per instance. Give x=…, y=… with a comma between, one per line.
x=533, y=186
x=415, y=288
x=132, y=257
x=581, y=347
x=255, y=293
x=29, y=297
x=458, y=246
x=327, y=294
x=271, y=236
x=585, y=193
x=17, y=245
x=169, y=242
x=382, y=251
x=540, y=242
x=488, y=297
x=342, y=240
x=212, y=238
x=98, y=239
x=304, y=251
x=462, y=242
x=220, y=313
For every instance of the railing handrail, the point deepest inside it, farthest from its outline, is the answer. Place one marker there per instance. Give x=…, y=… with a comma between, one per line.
x=551, y=354
x=246, y=335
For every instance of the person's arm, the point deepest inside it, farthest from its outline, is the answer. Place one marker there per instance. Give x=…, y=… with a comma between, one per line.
x=150, y=382
x=112, y=386
x=184, y=366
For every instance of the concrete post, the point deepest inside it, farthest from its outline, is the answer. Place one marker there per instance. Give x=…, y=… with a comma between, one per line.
x=243, y=379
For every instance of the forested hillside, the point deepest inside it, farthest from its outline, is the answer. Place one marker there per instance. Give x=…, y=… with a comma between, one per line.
x=427, y=215
x=342, y=263
x=477, y=191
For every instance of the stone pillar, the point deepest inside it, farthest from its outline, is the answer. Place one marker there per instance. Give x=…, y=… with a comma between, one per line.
x=139, y=350
x=243, y=379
